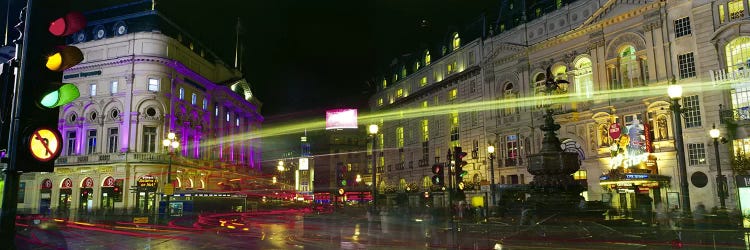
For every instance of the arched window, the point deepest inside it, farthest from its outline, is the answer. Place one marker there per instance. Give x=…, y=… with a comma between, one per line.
x=456, y=41
x=738, y=54
x=385, y=83
x=426, y=57
x=584, y=80
x=632, y=69
x=402, y=184
x=426, y=182
x=738, y=58
x=509, y=104
x=403, y=71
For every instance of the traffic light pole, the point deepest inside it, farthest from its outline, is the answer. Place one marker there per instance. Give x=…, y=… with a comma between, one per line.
x=12, y=177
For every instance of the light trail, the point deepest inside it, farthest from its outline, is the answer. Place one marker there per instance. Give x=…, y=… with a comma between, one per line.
x=533, y=102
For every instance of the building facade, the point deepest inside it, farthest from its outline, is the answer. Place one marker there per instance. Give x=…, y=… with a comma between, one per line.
x=142, y=78
x=618, y=58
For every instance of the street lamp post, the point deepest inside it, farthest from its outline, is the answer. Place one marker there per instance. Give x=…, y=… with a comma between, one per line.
x=373, y=131
x=491, y=152
x=675, y=93
x=171, y=144
x=280, y=167
x=720, y=179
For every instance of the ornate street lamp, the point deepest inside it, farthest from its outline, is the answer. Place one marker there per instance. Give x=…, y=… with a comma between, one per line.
x=491, y=152
x=373, y=131
x=675, y=93
x=721, y=180
x=170, y=144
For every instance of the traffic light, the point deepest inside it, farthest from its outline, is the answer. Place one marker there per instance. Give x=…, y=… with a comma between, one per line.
x=44, y=56
x=118, y=190
x=438, y=170
x=458, y=158
x=340, y=177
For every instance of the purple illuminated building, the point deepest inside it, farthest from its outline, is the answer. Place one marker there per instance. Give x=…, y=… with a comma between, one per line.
x=142, y=78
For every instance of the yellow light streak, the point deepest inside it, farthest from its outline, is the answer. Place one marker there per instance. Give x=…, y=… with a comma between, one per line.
x=531, y=102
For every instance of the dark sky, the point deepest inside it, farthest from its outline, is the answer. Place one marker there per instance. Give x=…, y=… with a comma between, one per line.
x=303, y=57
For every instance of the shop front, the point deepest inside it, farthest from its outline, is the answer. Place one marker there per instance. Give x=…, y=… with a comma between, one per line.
x=107, y=199
x=633, y=195
x=66, y=196
x=45, y=196
x=145, y=194
x=86, y=201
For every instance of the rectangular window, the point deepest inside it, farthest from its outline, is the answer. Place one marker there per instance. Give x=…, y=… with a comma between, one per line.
x=511, y=150
x=380, y=102
x=425, y=104
x=149, y=139
x=205, y=104
x=686, y=63
x=153, y=85
x=423, y=81
x=682, y=27
x=692, y=112
x=425, y=151
x=92, y=89
x=736, y=10
x=194, y=99
x=216, y=110
x=399, y=93
x=425, y=130
x=71, y=143
x=182, y=94
x=614, y=83
x=91, y=142
x=472, y=87
x=400, y=137
x=113, y=87
x=452, y=94
x=454, y=127
x=696, y=154
x=471, y=58
x=113, y=136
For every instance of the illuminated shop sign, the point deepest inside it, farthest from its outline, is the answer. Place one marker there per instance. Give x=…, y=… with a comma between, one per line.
x=341, y=118
x=636, y=176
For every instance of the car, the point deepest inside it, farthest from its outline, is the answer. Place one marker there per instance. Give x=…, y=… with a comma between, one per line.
x=567, y=232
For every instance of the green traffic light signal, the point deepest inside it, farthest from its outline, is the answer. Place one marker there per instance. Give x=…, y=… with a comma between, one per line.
x=463, y=173
x=65, y=94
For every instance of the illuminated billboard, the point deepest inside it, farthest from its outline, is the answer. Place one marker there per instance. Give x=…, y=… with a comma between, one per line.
x=341, y=118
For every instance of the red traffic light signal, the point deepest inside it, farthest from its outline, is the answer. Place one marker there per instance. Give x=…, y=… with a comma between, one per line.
x=68, y=24
x=437, y=169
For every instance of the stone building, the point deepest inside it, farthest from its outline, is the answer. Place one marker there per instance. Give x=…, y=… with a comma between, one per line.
x=618, y=58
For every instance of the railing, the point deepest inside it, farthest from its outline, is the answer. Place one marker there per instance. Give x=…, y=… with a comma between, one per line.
x=400, y=166
x=423, y=162
x=161, y=158
x=734, y=115
x=722, y=76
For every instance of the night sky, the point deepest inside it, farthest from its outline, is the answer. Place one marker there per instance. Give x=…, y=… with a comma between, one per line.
x=303, y=57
